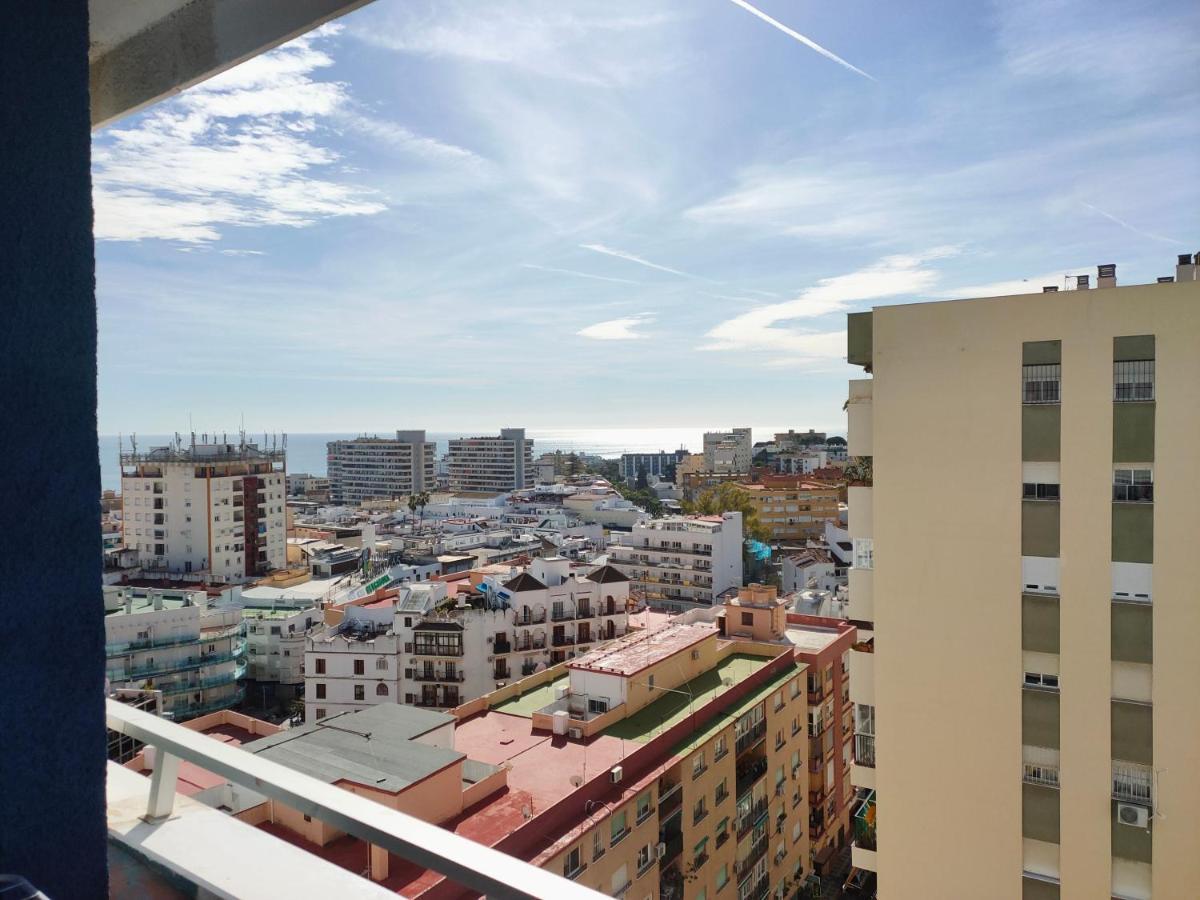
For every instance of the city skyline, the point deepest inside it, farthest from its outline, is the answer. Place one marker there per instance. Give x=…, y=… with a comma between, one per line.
x=688, y=198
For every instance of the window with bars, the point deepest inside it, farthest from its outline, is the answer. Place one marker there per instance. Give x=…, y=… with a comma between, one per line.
x=1133, y=379
x=1041, y=383
x=864, y=553
x=1133, y=485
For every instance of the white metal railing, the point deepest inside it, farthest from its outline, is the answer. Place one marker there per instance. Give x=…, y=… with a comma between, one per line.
x=1038, y=773
x=1132, y=781
x=475, y=866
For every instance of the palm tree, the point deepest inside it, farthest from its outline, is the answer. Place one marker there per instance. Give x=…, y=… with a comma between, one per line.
x=422, y=502
x=412, y=503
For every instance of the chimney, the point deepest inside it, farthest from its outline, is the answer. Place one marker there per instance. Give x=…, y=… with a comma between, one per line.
x=1106, y=275
x=158, y=600
x=1082, y=282
x=1185, y=270
x=1050, y=289
x=129, y=603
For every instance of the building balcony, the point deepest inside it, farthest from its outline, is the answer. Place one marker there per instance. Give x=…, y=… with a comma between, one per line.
x=502, y=647
x=192, y=662
x=562, y=640
x=749, y=815
x=670, y=799
x=207, y=637
x=200, y=684
x=1132, y=782
x=561, y=615
x=864, y=823
x=751, y=738
x=445, y=677
x=427, y=650
x=756, y=890
x=864, y=750
x=528, y=643
x=537, y=617
x=179, y=712
x=749, y=773
x=146, y=818
x=757, y=849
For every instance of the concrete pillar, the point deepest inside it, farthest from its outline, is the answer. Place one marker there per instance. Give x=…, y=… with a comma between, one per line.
x=378, y=863
x=52, y=705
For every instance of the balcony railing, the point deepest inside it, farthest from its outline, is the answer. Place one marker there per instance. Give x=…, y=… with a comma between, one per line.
x=1133, y=782
x=200, y=684
x=757, y=849
x=1037, y=773
x=747, y=817
x=476, y=867
x=749, y=773
x=181, y=711
x=536, y=617
x=864, y=750
x=756, y=891
x=439, y=676
x=562, y=640
x=523, y=645
x=436, y=650
x=864, y=823
x=112, y=650
x=502, y=647
x=750, y=738
x=670, y=798
x=166, y=668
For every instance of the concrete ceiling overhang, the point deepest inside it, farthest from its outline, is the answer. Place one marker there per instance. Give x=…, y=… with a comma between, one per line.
x=141, y=51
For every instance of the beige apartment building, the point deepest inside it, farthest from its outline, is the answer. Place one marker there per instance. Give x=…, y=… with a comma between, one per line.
x=1025, y=681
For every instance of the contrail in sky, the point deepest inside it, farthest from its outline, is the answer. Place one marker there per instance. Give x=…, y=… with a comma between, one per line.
x=795, y=35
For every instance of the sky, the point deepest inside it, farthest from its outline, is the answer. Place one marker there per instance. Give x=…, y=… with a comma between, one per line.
x=627, y=213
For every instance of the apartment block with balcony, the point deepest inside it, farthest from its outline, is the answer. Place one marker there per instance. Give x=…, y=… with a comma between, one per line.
x=216, y=508
x=491, y=465
x=681, y=562
x=1047, y=619
x=375, y=468
x=728, y=451
x=174, y=642
x=275, y=646
x=792, y=512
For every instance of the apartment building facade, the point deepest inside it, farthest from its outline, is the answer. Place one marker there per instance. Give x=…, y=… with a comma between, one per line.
x=728, y=451
x=491, y=465
x=679, y=562
x=1059, y=569
x=375, y=468
x=173, y=641
x=656, y=464
x=216, y=508
x=792, y=510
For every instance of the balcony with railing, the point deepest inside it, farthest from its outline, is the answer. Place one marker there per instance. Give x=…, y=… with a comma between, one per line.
x=146, y=818
x=528, y=642
x=755, y=890
x=753, y=855
x=457, y=676
x=183, y=686
x=205, y=637
x=749, y=814
x=670, y=798
x=530, y=617
x=749, y=772
x=181, y=711
x=191, y=662
x=864, y=750
x=750, y=738
x=502, y=646
x=864, y=823
x=1132, y=782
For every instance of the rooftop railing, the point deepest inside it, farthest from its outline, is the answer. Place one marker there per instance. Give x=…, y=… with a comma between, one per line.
x=476, y=867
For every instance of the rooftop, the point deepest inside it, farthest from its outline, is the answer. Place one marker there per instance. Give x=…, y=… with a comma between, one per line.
x=632, y=654
x=375, y=747
x=811, y=638
x=677, y=703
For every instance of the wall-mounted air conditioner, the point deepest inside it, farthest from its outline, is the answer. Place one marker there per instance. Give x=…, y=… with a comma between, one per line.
x=615, y=774
x=575, y=734
x=1133, y=815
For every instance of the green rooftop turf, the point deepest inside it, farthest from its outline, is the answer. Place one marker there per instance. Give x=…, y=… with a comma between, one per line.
x=676, y=704
x=531, y=701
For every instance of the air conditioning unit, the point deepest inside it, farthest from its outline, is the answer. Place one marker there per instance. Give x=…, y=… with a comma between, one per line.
x=660, y=850
x=1133, y=815
x=575, y=734
x=615, y=774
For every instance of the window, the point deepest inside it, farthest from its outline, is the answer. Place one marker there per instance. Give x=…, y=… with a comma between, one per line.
x=598, y=705
x=1133, y=485
x=722, y=831
x=381, y=662
x=360, y=667
x=1133, y=380
x=381, y=690
x=643, y=806
x=698, y=765
x=795, y=688
x=1042, y=681
x=699, y=811
x=597, y=845
x=747, y=618
x=722, y=876
x=320, y=663
x=720, y=748
x=650, y=682
x=571, y=864
x=320, y=692
x=320, y=713
x=1031, y=491
x=645, y=856
x=1041, y=384
x=778, y=701
x=700, y=853
x=360, y=692
x=618, y=827
x=864, y=553
x=721, y=792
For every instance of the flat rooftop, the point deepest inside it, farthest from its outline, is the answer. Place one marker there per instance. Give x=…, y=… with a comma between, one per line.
x=532, y=700
x=306, y=591
x=373, y=747
x=633, y=654
x=677, y=703
x=811, y=638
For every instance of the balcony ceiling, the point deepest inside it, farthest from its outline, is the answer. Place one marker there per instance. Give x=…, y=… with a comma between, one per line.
x=141, y=51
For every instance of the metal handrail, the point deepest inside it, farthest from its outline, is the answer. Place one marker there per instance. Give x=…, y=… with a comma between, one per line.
x=477, y=867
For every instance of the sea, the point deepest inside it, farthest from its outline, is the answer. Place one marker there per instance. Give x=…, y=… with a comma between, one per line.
x=306, y=452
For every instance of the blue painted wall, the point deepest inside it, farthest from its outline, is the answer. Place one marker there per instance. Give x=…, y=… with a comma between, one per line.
x=52, y=744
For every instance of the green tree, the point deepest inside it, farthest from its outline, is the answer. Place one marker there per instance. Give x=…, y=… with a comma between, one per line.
x=608, y=469
x=422, y=502
x=412, y=504
x=727, y=498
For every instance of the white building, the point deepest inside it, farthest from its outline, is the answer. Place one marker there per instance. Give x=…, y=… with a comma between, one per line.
x=728, y=451
x=275, y=644
x=375, y=468
x=491, y=465
x=812, y=569
x=216, y=508
x=172, y=641
x=677, y=561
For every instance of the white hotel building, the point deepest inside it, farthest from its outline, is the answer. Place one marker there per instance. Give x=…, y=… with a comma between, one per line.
x=679, y=562
x=491, y=465
x=216, y=508
x=375, y=468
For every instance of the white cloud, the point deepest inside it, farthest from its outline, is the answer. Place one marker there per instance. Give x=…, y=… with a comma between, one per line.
x=241, y=149
x=797, y=36
x=629, y=257
x=763, y=328
x=623, y=329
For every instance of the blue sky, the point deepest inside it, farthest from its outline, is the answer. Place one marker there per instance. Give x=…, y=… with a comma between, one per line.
x=457, y=215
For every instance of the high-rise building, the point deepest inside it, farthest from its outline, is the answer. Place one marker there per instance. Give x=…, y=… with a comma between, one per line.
x=728, y=451
x=216, y=508
x=375, y=468
x=1025, y=682
x=658, y=464
x=680, y=562
x=491, y=465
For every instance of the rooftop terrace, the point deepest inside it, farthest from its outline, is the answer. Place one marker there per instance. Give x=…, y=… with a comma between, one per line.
x=635, y=653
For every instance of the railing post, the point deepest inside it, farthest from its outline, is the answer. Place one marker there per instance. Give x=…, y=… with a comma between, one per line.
x=162, y=786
